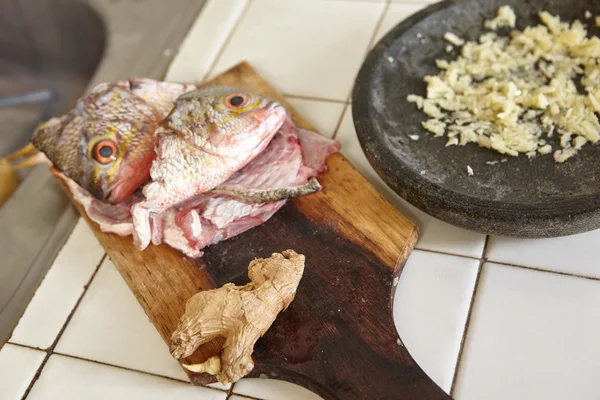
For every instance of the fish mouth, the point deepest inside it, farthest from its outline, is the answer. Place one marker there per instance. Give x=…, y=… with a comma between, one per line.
x=271, y=117
x=130, y=178
x=123, y=189
x=275, y=106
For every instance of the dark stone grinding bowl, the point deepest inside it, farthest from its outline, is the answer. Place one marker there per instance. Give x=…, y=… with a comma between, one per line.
x=522, y=197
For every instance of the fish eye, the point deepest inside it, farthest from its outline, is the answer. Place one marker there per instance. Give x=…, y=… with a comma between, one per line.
x=236, y=101
x=105, y=151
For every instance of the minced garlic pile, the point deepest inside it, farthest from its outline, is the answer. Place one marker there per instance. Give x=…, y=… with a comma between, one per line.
x=512, y=93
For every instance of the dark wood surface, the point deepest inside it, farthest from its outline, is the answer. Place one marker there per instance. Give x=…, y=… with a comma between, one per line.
x=337, y=338
x=522, y=197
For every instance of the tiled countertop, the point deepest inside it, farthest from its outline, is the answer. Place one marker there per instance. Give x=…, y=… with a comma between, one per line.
x=486, y=318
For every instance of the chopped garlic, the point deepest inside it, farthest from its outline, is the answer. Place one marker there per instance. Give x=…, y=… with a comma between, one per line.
x=470, y=171
x=511, y=93
x=413, y=98
x=592, y=96
x=414, y=137
x=449, y=48
x=492, y=162
x=453, y=141
x=432, y=110
x=588, y=14
x=435, y=126
x=598, y=21
x=452, y=38
x=484, y=141
x=561, y=156
x=578, y=142
x=541, y=102
x=504, y=18
x=441, y=64
x=546, y=149
x=552, y=22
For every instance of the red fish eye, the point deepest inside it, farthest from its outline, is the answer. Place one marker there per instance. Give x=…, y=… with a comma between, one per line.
x=105, y=151
x=236, y=101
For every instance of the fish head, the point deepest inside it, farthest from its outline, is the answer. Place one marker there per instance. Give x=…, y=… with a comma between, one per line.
x=233, y=118
x=105, y=144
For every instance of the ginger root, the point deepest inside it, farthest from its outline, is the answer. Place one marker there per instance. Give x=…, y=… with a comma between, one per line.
x=241, y=314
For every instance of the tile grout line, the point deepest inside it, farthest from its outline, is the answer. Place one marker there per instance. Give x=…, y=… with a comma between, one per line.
x=507, y=264
x=386, y=7
x=176, y=51
x=461, y=348
x=537, y=269
x=133, y=370
x=445, y=253
x=245, y=396
x=339, y=123
x=119, y=367
x=227, y=40
x=50, y=350
x=115, y=366
x=230, y=391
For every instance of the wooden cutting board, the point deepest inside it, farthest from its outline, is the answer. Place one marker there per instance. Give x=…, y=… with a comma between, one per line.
x=337, y=338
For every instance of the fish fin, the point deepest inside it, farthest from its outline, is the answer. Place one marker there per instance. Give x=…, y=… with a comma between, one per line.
x=251, y=196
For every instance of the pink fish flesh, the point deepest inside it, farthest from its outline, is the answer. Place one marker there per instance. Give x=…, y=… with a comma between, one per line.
x=292, y=157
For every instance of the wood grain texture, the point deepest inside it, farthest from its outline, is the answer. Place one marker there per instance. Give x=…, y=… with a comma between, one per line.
x=337, y=338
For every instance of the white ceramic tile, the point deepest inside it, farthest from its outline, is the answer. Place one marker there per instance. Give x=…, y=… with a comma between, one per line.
x=66, y=378
x=304, y=49
x=18, y=366
x=271, y=389
x=532, y=336
x=59, y=291
x=111, y=327
x=395, y=14
x=205, y=40
x=440, y=236
x=324, y=115
x=430, y=310
x=219, y=385
x=435, y=235
x=575, y=254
